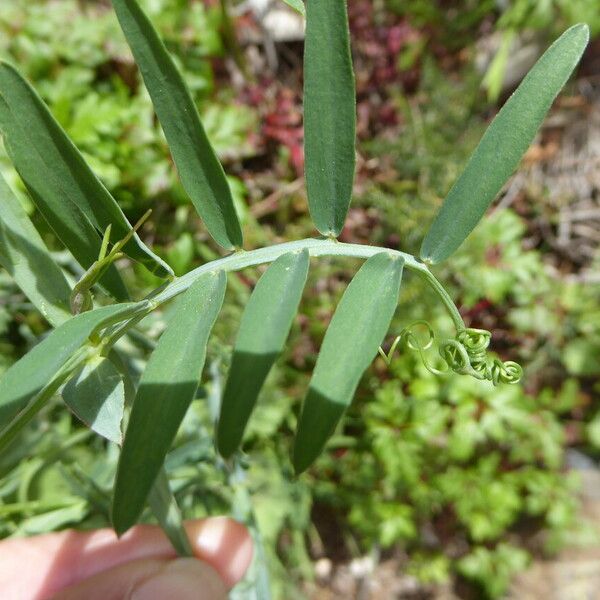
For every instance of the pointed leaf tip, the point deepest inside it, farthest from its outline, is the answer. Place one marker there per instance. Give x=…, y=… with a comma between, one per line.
x=201, y=173
x=503, y=145
x=65, y=190
x=329, y=114
x=297, y=5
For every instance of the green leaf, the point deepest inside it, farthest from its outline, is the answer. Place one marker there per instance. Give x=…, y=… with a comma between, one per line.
x=54, y=519
x=25, y=256
x=329, y=114
x=40, y=133
x=503, y=145
x=201, y=173
x=355, y=333
x=265, y=326
x=297, y=5
x=166, y=390
x=66, y=219
x=96, y=395
x=29, y=375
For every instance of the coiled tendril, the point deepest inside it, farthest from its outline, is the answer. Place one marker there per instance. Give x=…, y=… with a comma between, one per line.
x=465, y=354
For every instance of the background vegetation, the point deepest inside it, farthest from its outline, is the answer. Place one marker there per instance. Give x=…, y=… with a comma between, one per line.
x=449, y=478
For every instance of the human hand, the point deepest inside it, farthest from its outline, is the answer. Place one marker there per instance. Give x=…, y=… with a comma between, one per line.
x=141, y=565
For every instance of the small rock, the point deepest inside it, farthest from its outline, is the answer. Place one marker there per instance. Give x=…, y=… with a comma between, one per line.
x=282, y=23
x=361, y=567
x=323, y=568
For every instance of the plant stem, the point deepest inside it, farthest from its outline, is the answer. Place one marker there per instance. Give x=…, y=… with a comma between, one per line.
x=445, y=298
x=316, y=247
x=165, y=509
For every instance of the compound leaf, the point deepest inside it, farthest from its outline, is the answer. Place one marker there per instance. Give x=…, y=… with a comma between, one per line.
x=265, y=325
x=503, y=145
x=40, y=144
x=329, y=114
x=25, y=256
x=201, y=172
x=96, y=395
x=31, y=373
x=166, y=390
x=355, y=333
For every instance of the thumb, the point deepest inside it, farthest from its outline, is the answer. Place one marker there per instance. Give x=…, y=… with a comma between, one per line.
x=151, y=579
x=141, y=565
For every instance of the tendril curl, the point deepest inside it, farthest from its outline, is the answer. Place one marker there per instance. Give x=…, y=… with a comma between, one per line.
x=465, y=354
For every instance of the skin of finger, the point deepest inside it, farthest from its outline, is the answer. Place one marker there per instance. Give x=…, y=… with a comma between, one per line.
x=224, y=544
x=35, y=568
x=151, y=579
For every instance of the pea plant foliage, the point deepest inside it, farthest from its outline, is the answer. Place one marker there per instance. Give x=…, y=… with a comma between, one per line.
x=77, y=358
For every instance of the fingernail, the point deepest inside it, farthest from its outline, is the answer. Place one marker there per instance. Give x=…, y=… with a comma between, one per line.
x=184, y=579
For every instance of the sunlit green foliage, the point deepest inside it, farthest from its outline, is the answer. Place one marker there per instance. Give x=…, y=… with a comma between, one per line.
x=412, y=445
